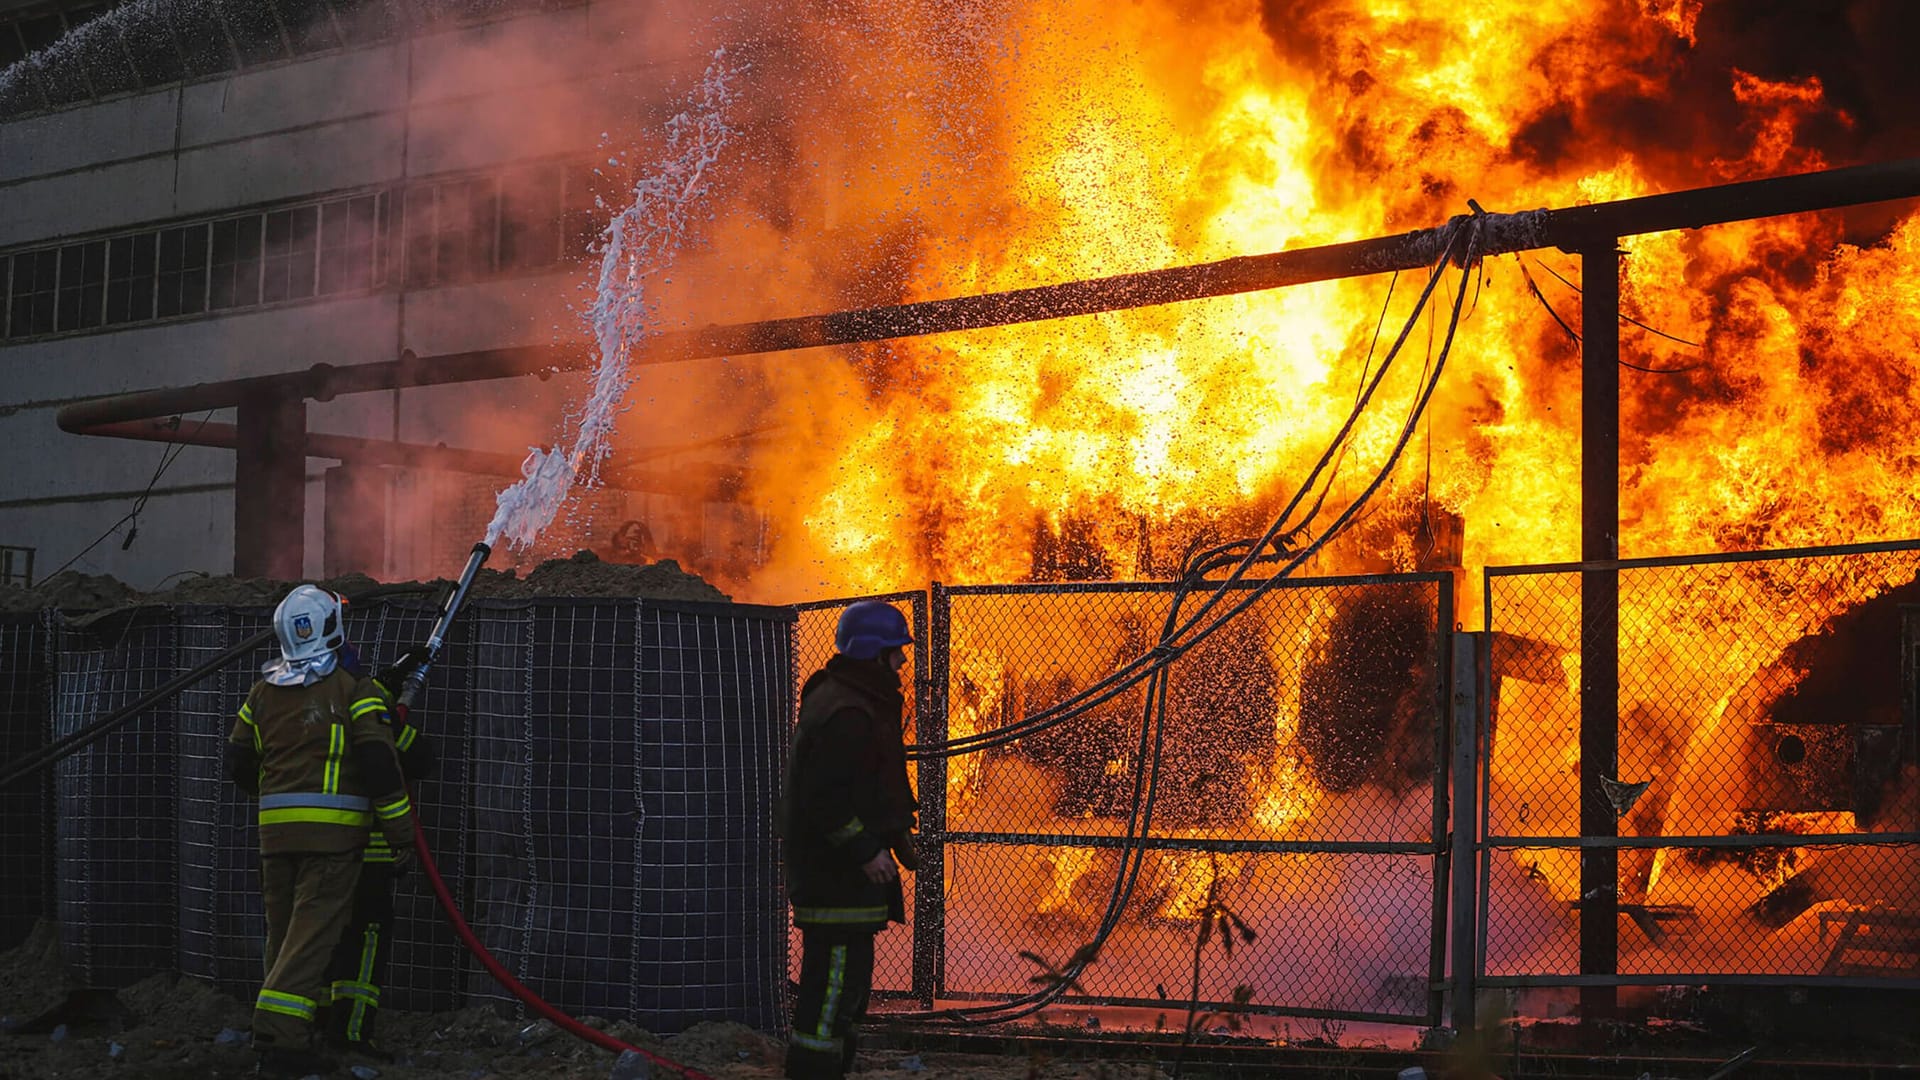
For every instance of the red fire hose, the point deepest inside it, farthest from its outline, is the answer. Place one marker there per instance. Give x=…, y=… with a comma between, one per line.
x=532, y=1000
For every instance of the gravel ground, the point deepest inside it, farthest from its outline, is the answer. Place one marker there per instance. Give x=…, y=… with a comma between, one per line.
x=168, y=1028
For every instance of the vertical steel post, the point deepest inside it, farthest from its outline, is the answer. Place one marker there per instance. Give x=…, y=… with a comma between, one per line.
x=1599, y=614
x=1470, y=663
x=270, y=487
x=930, y=884
x=1446, y=862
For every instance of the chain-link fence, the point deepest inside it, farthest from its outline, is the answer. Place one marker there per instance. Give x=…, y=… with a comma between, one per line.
x=1298, y=786
x=1702, y=770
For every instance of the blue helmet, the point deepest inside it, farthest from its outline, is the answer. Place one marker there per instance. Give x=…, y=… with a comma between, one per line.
x=870, y=628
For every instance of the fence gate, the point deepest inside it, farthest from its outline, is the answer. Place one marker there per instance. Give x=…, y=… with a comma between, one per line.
x=1701, y=772
x=1301, y=785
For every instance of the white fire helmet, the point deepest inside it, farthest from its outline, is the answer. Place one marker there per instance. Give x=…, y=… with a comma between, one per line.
x=309, y=624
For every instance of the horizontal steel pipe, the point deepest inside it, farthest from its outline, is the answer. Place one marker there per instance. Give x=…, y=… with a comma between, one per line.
x=1571, y=227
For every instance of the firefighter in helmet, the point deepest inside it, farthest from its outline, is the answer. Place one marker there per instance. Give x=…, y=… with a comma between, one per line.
x=847, y=815
x=313, y=742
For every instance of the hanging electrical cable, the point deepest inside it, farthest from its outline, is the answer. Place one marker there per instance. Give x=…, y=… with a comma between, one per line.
x=1156, y=662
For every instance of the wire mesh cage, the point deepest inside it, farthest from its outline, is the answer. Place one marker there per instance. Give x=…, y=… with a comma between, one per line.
x=601, y=808
x=26, y=809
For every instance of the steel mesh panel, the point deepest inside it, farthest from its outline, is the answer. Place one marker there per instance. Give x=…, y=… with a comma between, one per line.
x=581, y=725
x=1760, y=730
x=26, y=809
x=116, y=800
x=713, y=688
x=499, y=764
x=1336, y=932
x=813, y=633
x=222, y=921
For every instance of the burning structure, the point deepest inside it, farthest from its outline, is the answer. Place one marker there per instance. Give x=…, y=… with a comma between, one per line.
x=902, y=159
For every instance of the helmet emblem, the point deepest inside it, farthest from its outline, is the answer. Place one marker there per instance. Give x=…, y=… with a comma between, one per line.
x=303, y=626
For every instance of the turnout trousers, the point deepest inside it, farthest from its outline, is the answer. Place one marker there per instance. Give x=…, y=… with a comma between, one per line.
x=836, y=978
x=359, y=964
x=308, y=898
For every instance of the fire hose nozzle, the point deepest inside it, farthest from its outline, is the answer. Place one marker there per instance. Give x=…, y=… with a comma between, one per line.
x=417, y=678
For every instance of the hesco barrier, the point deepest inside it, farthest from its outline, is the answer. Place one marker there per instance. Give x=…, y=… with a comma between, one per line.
x=26, y=811
x=602, y=811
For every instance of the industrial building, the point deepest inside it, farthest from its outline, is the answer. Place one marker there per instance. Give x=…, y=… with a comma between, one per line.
x=198, y=192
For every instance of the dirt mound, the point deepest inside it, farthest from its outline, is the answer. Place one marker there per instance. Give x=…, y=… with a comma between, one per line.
x=585, y=575
x=582, y=575
x=69, y=590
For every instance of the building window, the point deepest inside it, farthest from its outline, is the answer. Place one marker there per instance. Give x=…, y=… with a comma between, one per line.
x=292, y=246
x=183, y=271
x=235, y=276
x=16, y=566
x=530, y=219
x=83, y=281
x=350, y=244
x=31, y=296
x=130, y=278
x=417, y=228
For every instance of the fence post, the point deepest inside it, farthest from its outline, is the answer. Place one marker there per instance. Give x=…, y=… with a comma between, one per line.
x=931, y=629
x=1469, y=663
x=1599, y=618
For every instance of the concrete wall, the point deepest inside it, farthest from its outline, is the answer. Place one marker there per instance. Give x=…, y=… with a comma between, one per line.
x=475, y=98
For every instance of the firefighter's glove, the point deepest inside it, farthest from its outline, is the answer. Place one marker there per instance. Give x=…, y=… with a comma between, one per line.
x=880, y=868
x=404, y=860
x=394, y=675
x=904, y=851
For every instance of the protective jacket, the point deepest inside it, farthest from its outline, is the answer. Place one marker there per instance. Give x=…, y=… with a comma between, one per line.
x=322, y=760
x=847, y=797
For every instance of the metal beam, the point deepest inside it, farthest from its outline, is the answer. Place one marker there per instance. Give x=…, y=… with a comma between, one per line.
x=1568, y=228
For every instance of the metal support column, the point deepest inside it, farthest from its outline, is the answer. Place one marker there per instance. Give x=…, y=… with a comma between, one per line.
x=1471, y=662
x=270, y=487
x=1599, y=614
x=930, y=726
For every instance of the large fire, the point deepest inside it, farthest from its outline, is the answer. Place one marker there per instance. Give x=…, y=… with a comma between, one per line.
x=1094, y=140
x=1768, y=399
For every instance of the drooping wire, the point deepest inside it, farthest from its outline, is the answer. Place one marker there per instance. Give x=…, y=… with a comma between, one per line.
x=1534, y=287
x=167, y=457
x=1623, y=315
x=1250, y=552
x=1171, y=646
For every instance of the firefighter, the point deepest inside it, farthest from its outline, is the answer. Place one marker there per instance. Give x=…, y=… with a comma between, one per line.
x=313, y=742
x=846, y=815
x=358, y=968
